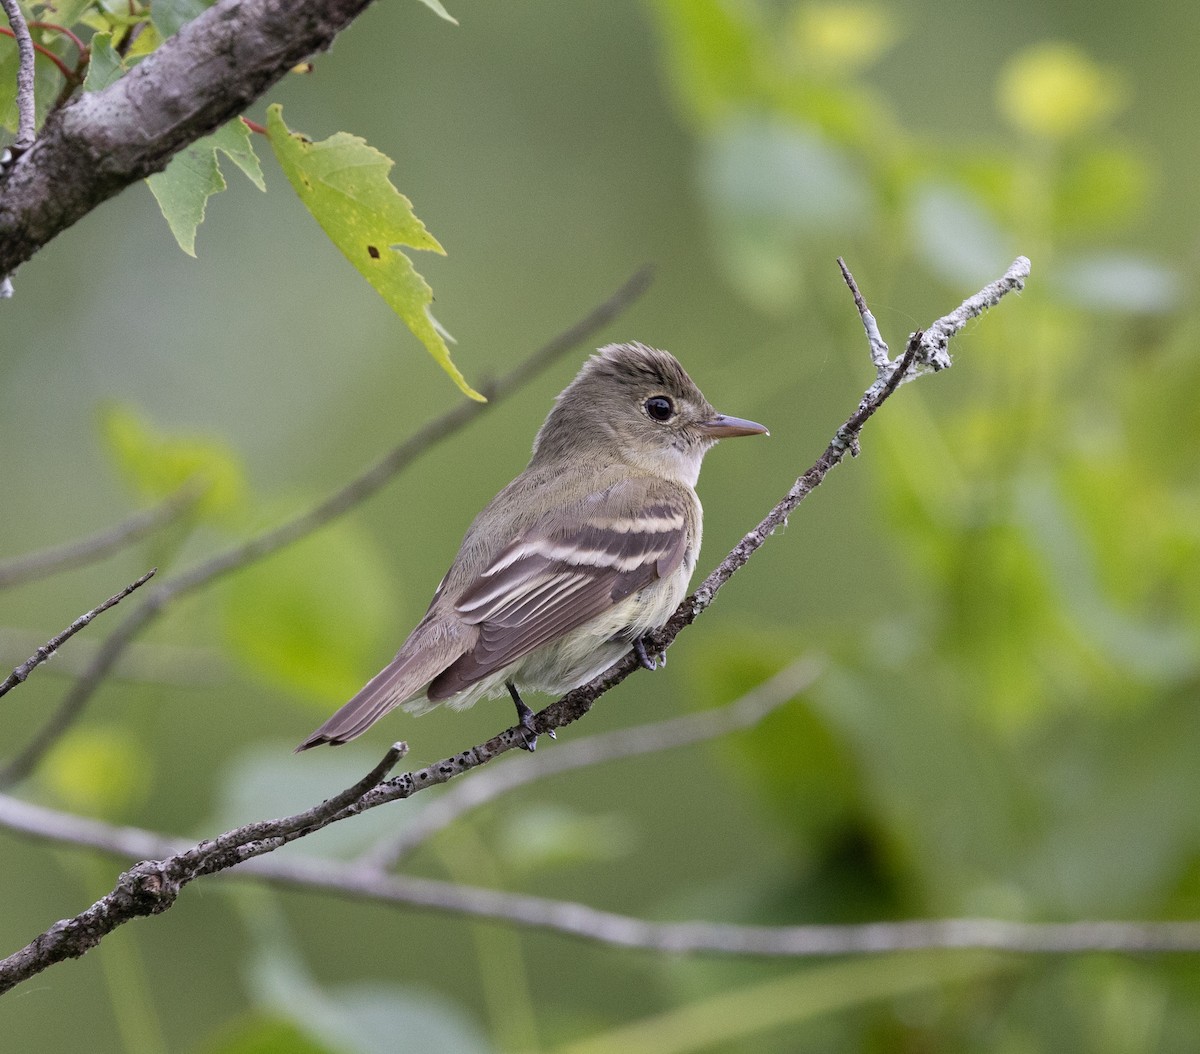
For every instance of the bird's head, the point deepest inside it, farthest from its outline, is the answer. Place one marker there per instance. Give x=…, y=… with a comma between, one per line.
x=634, y=403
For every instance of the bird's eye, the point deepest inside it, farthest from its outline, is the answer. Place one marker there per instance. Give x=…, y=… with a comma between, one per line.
x=660, y=408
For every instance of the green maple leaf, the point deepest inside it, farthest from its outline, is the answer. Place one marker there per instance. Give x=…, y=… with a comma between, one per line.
x=183, y=188
x=104, y=64
x=344, y=183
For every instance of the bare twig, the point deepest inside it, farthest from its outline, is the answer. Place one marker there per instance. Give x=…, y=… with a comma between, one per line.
x=489, y=784
x=341, y=501
x=152, y=886
x=588, y=923
x=880, y=355
x=937, y=337
x=48, y=649
x=50, y=561
x=591, y=924
x=26, y=111
x=932, y=354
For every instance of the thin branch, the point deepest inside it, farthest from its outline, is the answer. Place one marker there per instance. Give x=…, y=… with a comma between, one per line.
x=205, y=75
x=934, y=348
x=491, y=783
x=152, y=886
x=880, y=355
x=26, y=111
x=47, y=650
x=337, y=504
x=88, y=550
x=604, y=927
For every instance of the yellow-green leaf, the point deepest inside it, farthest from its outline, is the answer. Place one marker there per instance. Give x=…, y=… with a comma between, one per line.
x=842, y=36
x=436, y=7
x=145, y=43
x=344, y=183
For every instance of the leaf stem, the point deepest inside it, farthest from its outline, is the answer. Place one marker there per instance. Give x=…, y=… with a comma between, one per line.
x=45, y=52
x=54, y=27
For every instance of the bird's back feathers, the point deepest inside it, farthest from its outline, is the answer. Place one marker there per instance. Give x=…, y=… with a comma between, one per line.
x=560, y=574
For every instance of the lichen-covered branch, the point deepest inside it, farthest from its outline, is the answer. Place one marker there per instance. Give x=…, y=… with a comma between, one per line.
x=205, y=75
x=26, y=127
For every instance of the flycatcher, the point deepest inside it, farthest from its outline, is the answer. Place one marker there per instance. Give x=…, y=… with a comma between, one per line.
x=571, y=564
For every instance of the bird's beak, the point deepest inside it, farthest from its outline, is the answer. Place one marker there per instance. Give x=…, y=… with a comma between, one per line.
x=722, y=427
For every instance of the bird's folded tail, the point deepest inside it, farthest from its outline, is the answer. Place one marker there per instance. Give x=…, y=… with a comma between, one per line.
x=402, y=679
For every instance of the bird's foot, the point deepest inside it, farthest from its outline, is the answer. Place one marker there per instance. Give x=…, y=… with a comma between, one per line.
x=529, y=736
x=650, y=662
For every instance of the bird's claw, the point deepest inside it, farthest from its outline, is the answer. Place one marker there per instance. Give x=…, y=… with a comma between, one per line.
x=648, y=661
x=525, y=722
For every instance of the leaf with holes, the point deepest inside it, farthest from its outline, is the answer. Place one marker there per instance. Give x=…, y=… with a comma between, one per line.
x=344, y=183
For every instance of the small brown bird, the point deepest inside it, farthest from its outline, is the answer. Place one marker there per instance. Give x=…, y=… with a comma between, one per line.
x=571, y=564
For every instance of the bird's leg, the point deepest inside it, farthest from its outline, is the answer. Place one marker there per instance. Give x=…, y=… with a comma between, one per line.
x=524, y=719
x=639, y=647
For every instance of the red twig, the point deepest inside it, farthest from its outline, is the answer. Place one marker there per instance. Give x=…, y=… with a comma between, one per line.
x=45, y=52
x=56, y=28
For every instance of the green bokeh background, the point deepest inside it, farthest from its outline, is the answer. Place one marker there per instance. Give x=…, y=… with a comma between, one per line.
x=1003, y=587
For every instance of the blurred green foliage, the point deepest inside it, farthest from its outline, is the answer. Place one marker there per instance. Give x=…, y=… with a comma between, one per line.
x=97, y=772
x=159, y=466
x=312, y=617
x=1005, y=585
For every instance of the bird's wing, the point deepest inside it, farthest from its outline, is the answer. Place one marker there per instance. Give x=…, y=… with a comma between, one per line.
x=556, y=576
